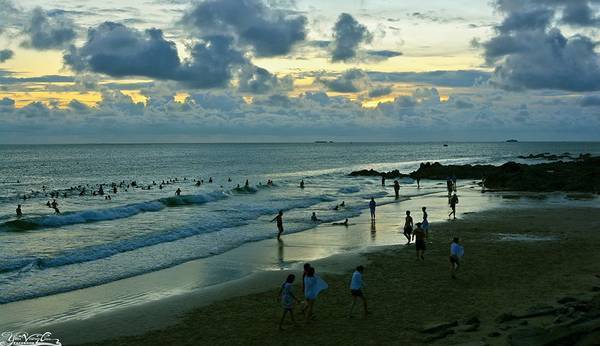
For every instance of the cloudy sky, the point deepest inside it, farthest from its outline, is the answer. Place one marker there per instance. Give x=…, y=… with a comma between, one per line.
x=83, y=71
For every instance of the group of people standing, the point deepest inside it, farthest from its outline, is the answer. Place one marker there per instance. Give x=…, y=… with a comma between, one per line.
x=312, y=286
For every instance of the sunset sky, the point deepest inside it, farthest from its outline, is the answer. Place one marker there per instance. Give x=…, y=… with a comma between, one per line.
x=91, y=71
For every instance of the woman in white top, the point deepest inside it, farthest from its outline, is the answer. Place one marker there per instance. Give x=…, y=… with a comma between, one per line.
x=313, y=285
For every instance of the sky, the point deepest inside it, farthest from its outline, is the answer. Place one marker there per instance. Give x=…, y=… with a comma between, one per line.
x=89, y=71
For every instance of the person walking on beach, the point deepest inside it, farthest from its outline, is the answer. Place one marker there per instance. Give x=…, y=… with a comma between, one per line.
x=454, y=183
x=449, y=185
x=372, y=206
x=397, y=188
x=456, y=253
x=356, y=286
x=279, y=219
x=418, y=182
x=408, y=226
x=287, y=299
x=313, y=285
x=19, y=212
x=425, y=222
x=420, y=237
x=453, y=202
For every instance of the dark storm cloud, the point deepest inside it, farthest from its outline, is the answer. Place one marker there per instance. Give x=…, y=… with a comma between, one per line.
x=257, y=80
x=350, y=81
x=119, y=51
x=348, y=34
x=211, y=63
x=48, y=30
x=529, y=52
x=269, y=31
x=378, y=92
x=6, y=54
x=590, y=101
x=580, y=13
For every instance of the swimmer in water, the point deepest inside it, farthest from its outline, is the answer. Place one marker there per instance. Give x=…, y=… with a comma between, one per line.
x=302, y=183
x=178, y=192
x=314, y=218
x=345, y=223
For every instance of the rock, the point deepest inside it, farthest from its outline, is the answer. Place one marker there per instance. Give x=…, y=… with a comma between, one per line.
x=595, y=289
x=434, y=328
x=560, y=319
x=524, y=323
x=472, y=320
x=469, y=328
x=505, y=327
x=565, y=300
x=440, y=335
x=505, y=318
x=494, y=334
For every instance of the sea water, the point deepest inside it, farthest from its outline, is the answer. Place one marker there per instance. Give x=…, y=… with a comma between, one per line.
x=141, y=229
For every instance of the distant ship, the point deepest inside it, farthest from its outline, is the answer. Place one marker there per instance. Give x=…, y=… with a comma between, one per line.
x=512, y=141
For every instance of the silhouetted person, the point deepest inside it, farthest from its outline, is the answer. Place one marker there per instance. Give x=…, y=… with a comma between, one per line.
x=314, y=218
x=345, y=223
x=54, y=204
x=279, y=219
x=382, y=180
x=408, y=226
x=302, y=183
x=420, y=236
x=178, y=192
x=456, y=253
x=19, y=212
x=247, y=183
x=397, y=188
x=210, y=180
x=453, y=202
x=372, y=206
x=418, y=182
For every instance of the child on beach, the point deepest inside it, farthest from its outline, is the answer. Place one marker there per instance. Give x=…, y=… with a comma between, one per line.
x=456, y=253
x=287, y=299
x=356, y=286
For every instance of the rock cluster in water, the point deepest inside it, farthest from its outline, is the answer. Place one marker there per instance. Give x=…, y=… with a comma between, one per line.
x=581, y=174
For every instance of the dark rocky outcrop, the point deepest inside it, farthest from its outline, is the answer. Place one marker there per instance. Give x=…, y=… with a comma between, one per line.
x=581, y=175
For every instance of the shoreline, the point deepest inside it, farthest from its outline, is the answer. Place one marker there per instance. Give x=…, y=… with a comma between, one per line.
x=333, y=260
x=417, y=296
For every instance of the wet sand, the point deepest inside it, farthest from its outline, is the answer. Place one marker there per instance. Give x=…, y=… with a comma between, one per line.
x=498, y=275
x=237, y=289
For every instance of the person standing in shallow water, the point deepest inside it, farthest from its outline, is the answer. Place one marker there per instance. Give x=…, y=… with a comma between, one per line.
x=383, y=180
x=178, y=192
x=397, y=188
x=19, y=212
x=453, y=202
x=279, y=219
x=372, y=206
x=408, y=226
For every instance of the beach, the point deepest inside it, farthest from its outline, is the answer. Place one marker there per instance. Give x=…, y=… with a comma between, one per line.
x=507, y=269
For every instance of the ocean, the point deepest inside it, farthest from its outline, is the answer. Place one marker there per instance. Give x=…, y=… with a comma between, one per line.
x=144, y=228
